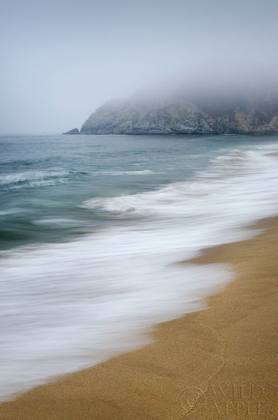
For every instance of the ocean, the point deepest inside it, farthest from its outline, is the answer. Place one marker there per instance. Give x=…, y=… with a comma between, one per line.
x=92, y=233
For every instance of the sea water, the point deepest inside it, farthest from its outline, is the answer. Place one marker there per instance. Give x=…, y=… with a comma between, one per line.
x=92, y=233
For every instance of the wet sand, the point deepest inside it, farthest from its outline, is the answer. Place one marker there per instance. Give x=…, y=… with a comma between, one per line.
x=218, y=363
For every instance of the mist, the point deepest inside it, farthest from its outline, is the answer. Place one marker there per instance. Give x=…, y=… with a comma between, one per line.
x=63, y=59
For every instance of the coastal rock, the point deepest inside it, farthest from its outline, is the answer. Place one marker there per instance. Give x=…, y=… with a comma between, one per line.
x=73, y=131
x=186, y=114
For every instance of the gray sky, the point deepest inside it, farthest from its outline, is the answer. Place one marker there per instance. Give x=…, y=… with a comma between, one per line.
x=61, y=59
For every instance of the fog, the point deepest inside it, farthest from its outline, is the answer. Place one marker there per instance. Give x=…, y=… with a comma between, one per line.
x=63, y=59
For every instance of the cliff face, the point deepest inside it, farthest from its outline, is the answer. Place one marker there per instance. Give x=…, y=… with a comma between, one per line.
x=178, y=114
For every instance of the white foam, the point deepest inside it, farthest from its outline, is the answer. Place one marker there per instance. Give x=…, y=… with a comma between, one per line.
x=32, y=179
x=60, y=222
x=68, y=306
x=207, y=194
x=116, y=173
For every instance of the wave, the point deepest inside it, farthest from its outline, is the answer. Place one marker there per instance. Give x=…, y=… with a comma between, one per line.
x=192, y=197
x=57, y=222
x=116, y=173
x=68, y=306
x=32, y=179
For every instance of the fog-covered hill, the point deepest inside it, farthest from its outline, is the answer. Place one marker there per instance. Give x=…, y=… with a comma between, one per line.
x=187, y=113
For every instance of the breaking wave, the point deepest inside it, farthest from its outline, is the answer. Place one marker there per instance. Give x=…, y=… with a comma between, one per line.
x=226, y=179
x=32, y=179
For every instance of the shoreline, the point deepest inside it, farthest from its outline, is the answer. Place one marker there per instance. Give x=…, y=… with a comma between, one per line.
x=219, y=362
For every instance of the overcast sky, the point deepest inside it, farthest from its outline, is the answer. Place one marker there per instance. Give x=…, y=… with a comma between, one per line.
x=61, y=59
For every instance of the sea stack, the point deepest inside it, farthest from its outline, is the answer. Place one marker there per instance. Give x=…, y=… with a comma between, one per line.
x=73, y=131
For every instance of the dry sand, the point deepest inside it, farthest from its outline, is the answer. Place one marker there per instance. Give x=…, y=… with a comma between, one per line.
x=219, y=363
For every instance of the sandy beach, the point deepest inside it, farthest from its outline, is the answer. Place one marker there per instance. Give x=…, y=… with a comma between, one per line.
x=218, y=363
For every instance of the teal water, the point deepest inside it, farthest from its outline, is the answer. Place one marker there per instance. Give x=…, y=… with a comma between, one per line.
x=45, y=180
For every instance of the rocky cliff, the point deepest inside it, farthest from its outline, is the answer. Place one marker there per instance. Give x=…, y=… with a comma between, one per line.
x=186, y=114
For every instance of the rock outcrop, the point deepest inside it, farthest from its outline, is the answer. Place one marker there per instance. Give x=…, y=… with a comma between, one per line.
x=186, y=114
x=73, y=131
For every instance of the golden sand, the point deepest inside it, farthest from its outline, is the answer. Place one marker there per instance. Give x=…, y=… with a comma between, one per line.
x=218, y=363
